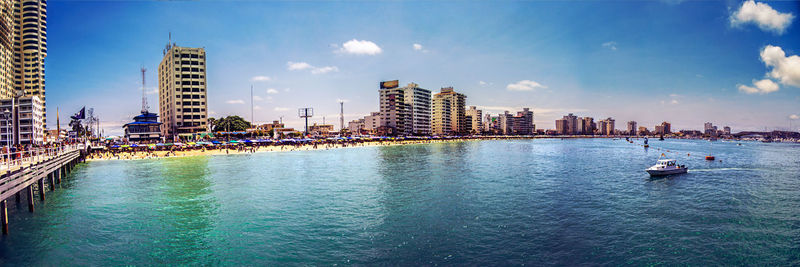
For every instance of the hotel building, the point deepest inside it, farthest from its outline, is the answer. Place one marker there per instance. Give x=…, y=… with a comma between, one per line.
x=404, y=110
x=182, y=91
x=448, y=116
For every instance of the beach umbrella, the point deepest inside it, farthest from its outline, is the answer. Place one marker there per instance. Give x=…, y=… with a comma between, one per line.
x=216, y=142
x=115, y=146
x=134, y=145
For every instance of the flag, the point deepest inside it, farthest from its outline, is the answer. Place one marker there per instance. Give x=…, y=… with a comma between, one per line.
x=80, y=115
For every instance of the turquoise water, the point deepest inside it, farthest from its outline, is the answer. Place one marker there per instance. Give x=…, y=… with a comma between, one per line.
x=540, y=202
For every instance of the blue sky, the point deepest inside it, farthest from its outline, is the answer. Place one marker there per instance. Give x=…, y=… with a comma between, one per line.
x=683, y=62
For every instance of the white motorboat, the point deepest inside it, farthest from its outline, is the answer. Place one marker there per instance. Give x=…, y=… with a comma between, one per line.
x=666, y=167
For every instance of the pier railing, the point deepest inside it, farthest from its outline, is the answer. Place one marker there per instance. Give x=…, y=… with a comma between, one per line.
x=23, y=170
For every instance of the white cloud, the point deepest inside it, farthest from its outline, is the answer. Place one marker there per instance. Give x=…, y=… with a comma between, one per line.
x=674, y=101
x=764, y=86
x=281, y=109
x=763, y=15
x=256, y=107
x=298, y=65
x=324, y=70
x=314, y=70
x=417, y=47
x=272, y=91
x=152, y=91
x=342, y=100
x=260, y=79
x=524, y=85
x=794, y=117
x=482, y=83
x=235, y=101
x=360, y=47
x=257, y=98
x=784, y=69
x=610, y=45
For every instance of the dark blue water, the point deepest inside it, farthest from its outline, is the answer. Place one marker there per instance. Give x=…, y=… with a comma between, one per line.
x=532, y=202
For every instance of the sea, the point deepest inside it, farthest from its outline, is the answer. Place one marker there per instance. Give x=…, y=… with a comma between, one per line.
x=483, y=202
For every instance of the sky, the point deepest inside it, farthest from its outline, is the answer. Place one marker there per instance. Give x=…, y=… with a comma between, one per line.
x=732, y=63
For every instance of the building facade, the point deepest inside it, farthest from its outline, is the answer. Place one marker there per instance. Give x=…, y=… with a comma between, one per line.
x=448, y=114
x=145, y=128
x=474, y=117
x=23, y=49
x=631, y=128
x=24, y=121
x=404, y=110
x=182, y=91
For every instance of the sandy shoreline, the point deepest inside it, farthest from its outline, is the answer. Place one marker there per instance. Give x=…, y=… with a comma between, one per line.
x=139, y=155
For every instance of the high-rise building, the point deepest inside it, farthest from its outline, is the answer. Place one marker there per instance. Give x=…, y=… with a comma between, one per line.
x=23, y=49
x=572, y=124
x=404, y=110
x=182, y=91
x=448, y=116
x=726, y=130
x=602, y=127
x=610, y=128
x=708, y=128
x=663, y=128
x=588, y=125
x=631, y=128
x=474, y=117
x=30, y=48
x=562, y=126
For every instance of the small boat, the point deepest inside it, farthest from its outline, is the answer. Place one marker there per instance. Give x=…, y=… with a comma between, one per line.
x=666, y=167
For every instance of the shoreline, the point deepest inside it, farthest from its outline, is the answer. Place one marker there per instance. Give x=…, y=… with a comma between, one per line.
x=108, y=155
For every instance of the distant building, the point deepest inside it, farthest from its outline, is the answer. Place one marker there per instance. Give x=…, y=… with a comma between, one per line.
x=24, y=123
x=321, y=129
x=562, y=126
x=182, y=91
x=631, y=128
x=473, y=118
x=404, y=110
x=643, y=131
x=587, y=125
x=572, y=124
x=726, y=130
x=145, y=128
x=606, y=127
x=268, y=127
x=663, y=128
x=708, y=128
x=448, y=116
x=519, y=124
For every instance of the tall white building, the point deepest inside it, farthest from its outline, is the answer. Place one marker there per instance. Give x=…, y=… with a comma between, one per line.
x=182, y=91
x=405, y=110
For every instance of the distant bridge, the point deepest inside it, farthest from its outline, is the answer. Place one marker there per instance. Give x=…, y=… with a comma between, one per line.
x=35, y=168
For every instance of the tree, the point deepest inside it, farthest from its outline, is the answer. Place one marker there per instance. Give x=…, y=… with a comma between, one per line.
x=231, y=124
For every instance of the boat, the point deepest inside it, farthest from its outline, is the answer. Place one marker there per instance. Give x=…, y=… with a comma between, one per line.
x=665, y=167
x=645, y=142
x=710, y=153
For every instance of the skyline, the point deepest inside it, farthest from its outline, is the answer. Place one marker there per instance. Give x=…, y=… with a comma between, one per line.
x=686, y=63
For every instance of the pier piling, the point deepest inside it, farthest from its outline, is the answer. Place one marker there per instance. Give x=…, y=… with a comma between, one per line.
x=30, y=198
x=52, y=181
x=4, y=215
x=41, y=189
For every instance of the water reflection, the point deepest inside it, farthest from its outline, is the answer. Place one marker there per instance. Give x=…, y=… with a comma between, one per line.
x=185, y=207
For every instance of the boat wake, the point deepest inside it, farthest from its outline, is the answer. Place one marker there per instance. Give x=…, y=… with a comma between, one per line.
x=722, y=169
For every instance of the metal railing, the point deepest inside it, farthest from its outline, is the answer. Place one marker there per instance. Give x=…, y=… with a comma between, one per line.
x=20, y=159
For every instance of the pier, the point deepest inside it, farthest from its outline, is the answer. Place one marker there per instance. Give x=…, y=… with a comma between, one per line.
x=28, y=172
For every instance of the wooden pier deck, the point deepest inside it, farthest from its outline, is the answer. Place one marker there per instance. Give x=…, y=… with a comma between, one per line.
x=49, y=167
